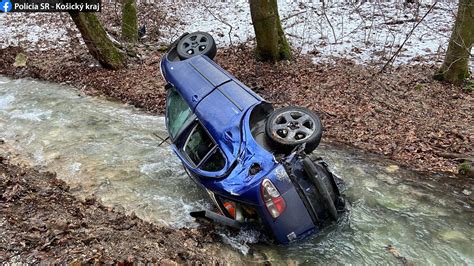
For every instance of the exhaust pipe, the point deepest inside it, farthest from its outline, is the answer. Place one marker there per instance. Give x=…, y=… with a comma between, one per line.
x=214, y=217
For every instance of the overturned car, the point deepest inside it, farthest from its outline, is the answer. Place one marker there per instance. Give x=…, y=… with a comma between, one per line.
x=251, y=159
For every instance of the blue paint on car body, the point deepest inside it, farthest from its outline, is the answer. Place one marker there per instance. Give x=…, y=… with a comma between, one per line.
x=221, y=107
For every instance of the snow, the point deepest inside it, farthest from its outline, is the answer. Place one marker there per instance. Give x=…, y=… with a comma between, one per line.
x=337, y=29
x=367, y=32
x=34, y=29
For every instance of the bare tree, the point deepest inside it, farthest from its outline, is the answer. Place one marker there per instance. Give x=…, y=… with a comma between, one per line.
x=129, y=21
x=97, y=41
x=455, y=68
x=271, y=41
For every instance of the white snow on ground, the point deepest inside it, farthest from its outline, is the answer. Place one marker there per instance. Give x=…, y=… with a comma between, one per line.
x=367, y=32
x=35, y=29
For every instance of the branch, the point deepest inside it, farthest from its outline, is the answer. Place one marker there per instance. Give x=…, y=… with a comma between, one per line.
x=330, y=25
x=406, y=39
x=395, y=22
x=293, y=15
x=222, y=21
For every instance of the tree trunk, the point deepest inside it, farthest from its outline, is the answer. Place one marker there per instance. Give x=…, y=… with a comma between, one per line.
x=271, y=41
x=455, y=68
x=129, y=21
x=97, y=41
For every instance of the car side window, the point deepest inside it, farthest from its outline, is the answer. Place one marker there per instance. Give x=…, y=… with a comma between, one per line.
x=177, y=111
x=200, y=147
x=216, y=162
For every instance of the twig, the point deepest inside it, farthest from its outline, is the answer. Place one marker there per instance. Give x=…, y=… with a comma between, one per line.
x=163, y=140
x=372, y=21
x=293, y=15
x=395, y=22
x=330, y=25
x=406, y=39
x=450, y=65
x=222, y=21
x=304, y=37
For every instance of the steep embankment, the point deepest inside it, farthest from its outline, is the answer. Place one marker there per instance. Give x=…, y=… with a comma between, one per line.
x=41, y=221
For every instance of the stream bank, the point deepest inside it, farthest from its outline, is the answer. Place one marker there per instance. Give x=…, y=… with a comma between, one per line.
x=41, y=221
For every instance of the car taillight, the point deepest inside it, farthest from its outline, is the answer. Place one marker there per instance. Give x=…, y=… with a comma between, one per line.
x=271, y=197
x=230, y=207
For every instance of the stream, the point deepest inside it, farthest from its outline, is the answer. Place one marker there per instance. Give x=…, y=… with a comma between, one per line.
x=112, y=151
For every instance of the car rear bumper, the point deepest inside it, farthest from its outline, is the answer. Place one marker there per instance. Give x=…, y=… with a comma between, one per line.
x=305, y=212
x=294, y=223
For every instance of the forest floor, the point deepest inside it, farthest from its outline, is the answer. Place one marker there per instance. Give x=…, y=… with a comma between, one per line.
x=42, y=221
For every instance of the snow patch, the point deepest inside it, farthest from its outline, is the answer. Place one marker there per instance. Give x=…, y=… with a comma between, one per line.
x=364, y=31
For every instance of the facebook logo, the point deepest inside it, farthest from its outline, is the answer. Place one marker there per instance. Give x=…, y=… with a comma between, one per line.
x=6, y=6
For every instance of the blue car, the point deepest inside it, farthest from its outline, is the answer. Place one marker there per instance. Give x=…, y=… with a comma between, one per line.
x=254, y=161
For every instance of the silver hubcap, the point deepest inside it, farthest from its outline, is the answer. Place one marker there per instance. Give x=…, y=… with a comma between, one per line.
x=293, y=126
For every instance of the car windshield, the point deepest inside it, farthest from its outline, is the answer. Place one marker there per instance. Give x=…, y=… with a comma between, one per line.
x=197, y=148
x=177, y=111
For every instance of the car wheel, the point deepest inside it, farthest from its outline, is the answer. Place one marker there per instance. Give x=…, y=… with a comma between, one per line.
x=291, y=126
x=318, y=177
x=196, y=43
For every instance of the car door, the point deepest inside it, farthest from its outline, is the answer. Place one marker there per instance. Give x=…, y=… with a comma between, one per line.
x=202, y=153
x=193, y=144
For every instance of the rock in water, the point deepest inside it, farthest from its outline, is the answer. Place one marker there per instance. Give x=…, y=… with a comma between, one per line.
x=392, y=168
x=20, y=60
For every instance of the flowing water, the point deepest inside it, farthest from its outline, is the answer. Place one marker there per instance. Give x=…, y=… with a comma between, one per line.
x=111, y=150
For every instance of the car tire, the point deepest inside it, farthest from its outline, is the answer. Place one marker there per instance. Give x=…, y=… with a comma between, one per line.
x=196, y=43
x=291, y=126
x=315, y=175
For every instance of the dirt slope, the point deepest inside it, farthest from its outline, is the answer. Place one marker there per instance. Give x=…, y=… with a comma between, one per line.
x=40, y=221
